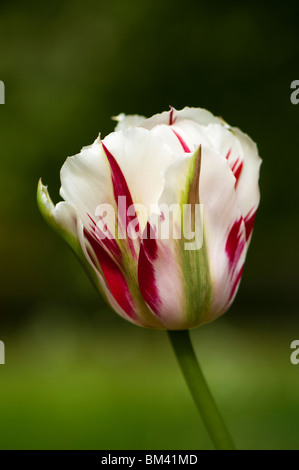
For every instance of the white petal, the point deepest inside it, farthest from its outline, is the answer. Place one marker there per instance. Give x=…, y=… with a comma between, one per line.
x=198, y=115
x=63, y=218
x=196, y=126
x=221, y=214
x=244, y=161
x=86, y=183
x=248, y=188
x=65, y=221
x=166, y=134
x=142, y=157
x=181, y=187
x=224, y=142
x=126, y=121
x=189, y=124
x=192, y=133
x=99, y=280
x=161, y=280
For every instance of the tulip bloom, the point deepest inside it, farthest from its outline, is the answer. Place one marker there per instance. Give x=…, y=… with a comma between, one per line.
x=178, y=158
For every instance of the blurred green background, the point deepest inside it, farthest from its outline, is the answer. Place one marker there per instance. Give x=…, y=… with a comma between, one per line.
x=76, y=375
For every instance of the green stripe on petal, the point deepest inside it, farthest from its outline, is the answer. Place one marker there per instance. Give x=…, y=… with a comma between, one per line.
x=198, y=285
x=182, y=188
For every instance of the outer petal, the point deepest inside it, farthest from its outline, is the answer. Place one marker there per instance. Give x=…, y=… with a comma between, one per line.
x=117, y=282
x=86, y=182
x=199, y=115
x=248, y=188
x=122, y=164
x=224, y=247
x=224, y=229
x=228, y=145
x=176, y=282
x=142, y=158
x=242, y=155
x=65, y=221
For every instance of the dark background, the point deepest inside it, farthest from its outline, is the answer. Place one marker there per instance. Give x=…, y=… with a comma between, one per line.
x=76, y=375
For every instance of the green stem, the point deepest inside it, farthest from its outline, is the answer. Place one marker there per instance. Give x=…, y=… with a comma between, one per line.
x=200, y=392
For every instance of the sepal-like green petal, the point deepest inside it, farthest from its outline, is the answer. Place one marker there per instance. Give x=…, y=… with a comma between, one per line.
x=62, y=217
x=64, y=220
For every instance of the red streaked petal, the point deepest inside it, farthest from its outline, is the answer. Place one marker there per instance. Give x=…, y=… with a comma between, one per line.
x=113, y=276
x=121, y=190
x=228, y=154
x=248, y=187
x=107, y=241
x=237, y=169
x=235, y=243
x=146, y=272
x=249, y=223
x=238, y=172
x=182, y=142
x=171, y=118
x=120, y=187
x=235, y=284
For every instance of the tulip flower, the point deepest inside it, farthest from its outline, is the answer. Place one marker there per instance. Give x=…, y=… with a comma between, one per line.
x=160, y=213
